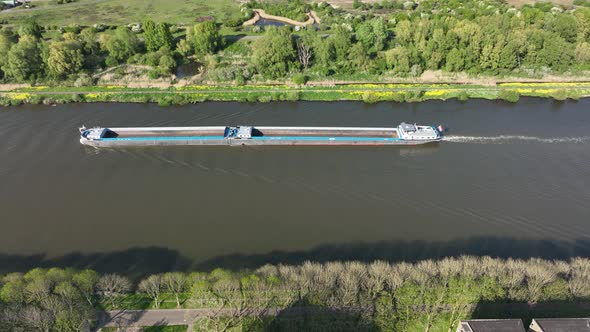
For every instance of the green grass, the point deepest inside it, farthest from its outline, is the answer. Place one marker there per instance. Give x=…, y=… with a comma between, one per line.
x=88, y=12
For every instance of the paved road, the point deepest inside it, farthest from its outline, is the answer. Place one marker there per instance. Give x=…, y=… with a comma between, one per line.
x=116, y=318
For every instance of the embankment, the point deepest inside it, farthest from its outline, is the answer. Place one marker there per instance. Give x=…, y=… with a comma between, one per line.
x=369, y=93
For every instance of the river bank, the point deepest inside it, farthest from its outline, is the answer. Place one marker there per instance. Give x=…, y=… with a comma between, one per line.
x=368, y=93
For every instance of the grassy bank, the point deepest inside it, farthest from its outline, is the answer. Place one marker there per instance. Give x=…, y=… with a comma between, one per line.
x=369, y=93
x=338, y=296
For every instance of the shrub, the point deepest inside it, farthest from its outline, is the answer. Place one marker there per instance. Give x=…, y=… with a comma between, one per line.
x=83, y=80
x=509, y=96
x=111, y=61
x=240, y=80
x=463, y=96
x=292, y=96
x=560, y=94
x=300, y=79
x=370, y=97
x=265, y=98
x=154, y=74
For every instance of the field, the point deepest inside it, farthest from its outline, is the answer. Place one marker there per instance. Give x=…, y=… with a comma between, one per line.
x=88, y=12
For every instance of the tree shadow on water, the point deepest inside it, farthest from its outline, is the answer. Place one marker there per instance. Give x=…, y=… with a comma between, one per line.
x=410, y=251
x=134, y=262
x=138, y=262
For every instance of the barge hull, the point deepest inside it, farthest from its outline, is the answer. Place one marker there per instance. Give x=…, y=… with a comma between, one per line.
x=271, y=142
x=258, y=136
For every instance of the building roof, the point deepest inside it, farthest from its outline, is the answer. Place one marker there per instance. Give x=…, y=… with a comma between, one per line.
x=492, y=325
x=564, y=324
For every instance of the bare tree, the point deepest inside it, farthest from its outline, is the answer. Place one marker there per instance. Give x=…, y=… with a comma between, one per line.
x=38, y=289
x=236, y=300
x=538, y=274
x=152, y=286
x=374, y=282
x=37, y=318
x=111, y=286
x=304, y=53
x=579, y=278
x=175, y=283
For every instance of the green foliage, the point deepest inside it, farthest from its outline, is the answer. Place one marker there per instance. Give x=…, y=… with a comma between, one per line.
x=65, y=58
x=157, y=36
x=372, y=34
x=30, y=28
x=167, y=64
x=122, y=45
x=274, y=54
x=509, y=95
x=204, y=38
x=300, y=79
x=24, y=60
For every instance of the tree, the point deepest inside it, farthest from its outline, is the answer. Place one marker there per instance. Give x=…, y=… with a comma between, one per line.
x=372, y=34
x=305, y=47
x=157, y=36
x=152, y=286
x=358, y=57
x=38, y=289
x=364, y=34
x=65, y=58
x=24, y=60
x=565, y=25
x=582, y=52
x=149, y=35
x=324, y=56
x=342, y=39
x=86, y=282
x=398, y=59
x=274, y=53
x=175, y=283
x=30, y=28
x=455, y=60
x=13, y=290
x=6, y=42
x=556, y=53
x=184, y=48
x=167, y=63
x=68, y=293
x=111, y=286
x=204, y=38
x=88, y=38
x=122, y=45
x=164, y=35
x=403, y=32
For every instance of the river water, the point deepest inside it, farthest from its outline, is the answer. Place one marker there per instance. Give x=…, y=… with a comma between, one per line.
x=510, y=180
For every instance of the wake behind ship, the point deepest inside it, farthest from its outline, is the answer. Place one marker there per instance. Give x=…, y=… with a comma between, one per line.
x=404, y=134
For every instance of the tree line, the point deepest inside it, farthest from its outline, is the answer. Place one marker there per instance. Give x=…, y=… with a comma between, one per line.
x=431, y=35
x=427, y=295
x=488, y=44
x=26, y=57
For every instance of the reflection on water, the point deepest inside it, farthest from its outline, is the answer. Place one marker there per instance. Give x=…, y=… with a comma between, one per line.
x=208, y=203
x=269, y=23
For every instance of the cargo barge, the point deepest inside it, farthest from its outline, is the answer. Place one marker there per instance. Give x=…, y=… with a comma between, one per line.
x=404, y=134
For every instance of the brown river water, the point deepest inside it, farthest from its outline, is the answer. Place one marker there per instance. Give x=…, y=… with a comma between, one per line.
x=510, y=180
